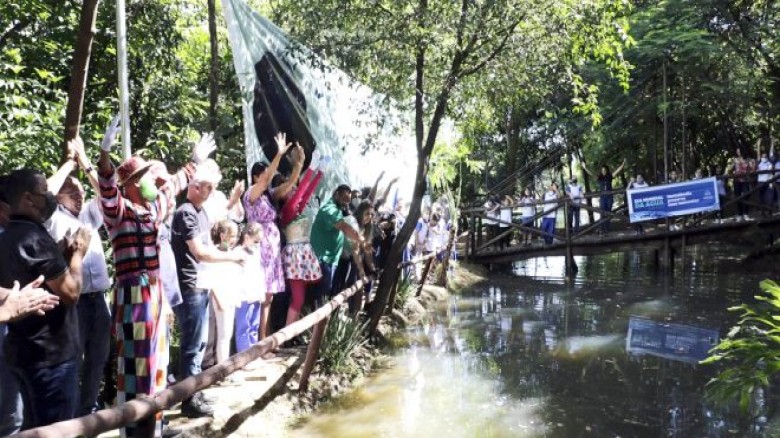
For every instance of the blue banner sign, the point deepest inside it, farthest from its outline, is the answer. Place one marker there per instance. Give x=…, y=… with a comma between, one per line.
x=669, y=200
x=680, y=342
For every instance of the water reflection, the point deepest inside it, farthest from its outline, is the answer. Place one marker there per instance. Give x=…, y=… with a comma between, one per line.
x=528, y=357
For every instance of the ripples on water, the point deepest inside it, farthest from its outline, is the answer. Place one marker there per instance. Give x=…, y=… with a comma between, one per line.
x=528, y=355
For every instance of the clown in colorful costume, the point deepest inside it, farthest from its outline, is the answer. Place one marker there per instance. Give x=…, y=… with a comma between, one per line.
x=132, y=218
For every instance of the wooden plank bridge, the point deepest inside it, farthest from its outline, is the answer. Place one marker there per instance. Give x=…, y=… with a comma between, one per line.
x=610, y=231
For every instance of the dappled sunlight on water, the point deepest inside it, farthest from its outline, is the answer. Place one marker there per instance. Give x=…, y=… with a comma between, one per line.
x=429, y=393
x=529, y=355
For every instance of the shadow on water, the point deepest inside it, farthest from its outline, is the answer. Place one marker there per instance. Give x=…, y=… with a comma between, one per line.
x=529, y=355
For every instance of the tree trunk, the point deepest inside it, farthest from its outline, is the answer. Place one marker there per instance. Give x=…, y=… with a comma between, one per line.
x=214, y=68
x=586, y=183
x=79, y=70
x=512, y=140
x=445, y=263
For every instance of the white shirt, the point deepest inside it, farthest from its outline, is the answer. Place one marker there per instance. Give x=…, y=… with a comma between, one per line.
x=529, y=209
x=638, y=185
x=551, y=210
x=422, y=233
x=432, y=242
x=253, y=279
x=575, y=193
x=226, y=280
x=94, y=272
x=216, y=207
x=506, y=215
x=491, y=211
x=764, y=165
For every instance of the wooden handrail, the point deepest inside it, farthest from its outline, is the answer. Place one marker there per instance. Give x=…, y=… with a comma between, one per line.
x=143, y=407
x=134, y=410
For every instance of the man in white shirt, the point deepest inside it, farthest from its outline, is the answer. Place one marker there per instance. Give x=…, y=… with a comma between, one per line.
x=551, y=209
x=575, y=193
x=492, y=213
x=765, y=169
x=92, y=308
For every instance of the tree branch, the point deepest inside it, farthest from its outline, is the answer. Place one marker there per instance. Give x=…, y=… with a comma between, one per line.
x=495, y=52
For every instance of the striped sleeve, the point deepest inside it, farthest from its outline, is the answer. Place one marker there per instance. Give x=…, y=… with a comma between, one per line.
x=111, y=201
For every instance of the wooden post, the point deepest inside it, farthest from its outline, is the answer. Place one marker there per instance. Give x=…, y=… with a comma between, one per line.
x=393, y=295
x=570, y=267
x=479, y=232
x=424, y=275
x=311, y=353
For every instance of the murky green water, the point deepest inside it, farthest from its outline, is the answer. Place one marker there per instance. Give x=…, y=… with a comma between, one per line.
x=531, y=356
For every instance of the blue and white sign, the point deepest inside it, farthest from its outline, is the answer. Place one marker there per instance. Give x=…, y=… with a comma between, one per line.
x=671, y=200
x=680, y=342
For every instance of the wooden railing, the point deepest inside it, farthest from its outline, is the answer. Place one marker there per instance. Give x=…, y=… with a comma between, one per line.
x=144, y=407
x=479, y=241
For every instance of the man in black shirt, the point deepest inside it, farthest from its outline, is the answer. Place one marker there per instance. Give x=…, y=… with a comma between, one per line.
x=42, y=351
x=190, y=241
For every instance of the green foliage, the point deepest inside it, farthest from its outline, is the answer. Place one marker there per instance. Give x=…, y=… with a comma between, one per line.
x=405, y=290
x=750, y=354
x=168, y=65
x=343, y=337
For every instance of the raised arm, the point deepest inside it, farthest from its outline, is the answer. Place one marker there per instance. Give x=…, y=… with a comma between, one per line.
x=298, y=157
x=372, y=193
x=382, y=200
x=56, y=181
x=261, y=185
x=84, y=164
x=620, y=169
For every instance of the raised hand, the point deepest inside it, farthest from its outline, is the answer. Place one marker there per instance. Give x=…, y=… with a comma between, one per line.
x=110, y=135
x=238, y=189
x=300, y=154
x=281, y=143
x=205, y=146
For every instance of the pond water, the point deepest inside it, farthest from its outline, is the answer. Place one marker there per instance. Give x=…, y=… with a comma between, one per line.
x=526, y=354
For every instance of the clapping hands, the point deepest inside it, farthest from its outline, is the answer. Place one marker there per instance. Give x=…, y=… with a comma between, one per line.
x=30, y=300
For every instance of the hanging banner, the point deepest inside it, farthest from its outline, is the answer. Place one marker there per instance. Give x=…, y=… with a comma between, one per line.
x=669, y=200
x=286, y=88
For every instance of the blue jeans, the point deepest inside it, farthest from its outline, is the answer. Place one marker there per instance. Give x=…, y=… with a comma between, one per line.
x=50, y=394
x=324, y=287
x=11, y=407
x=95, y=331
x=548, y=226
x=605, y=204
x=192, y=315
x=247, y=325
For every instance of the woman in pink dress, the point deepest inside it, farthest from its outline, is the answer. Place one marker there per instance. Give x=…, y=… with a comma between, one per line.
x=260, y=209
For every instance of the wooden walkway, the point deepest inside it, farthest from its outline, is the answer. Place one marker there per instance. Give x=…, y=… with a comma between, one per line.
x=502, y=242
x=655, y=237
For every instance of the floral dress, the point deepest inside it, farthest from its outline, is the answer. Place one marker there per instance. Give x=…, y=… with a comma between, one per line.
x=263, y=212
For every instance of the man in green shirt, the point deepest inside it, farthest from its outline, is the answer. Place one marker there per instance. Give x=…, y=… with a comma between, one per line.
x=327, y=237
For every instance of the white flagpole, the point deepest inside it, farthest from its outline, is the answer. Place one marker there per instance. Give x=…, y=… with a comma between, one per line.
x=121, y=61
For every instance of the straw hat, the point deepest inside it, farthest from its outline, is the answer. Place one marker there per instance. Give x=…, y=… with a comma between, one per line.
x=134, y=166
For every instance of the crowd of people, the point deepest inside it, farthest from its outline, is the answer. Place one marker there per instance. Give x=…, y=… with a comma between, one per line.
x=752, y=180
x=212, y=265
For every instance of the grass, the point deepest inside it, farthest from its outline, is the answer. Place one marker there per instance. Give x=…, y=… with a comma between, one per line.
x=343, y=337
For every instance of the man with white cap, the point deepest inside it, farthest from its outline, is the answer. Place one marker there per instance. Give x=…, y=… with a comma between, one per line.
x=191, y=243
